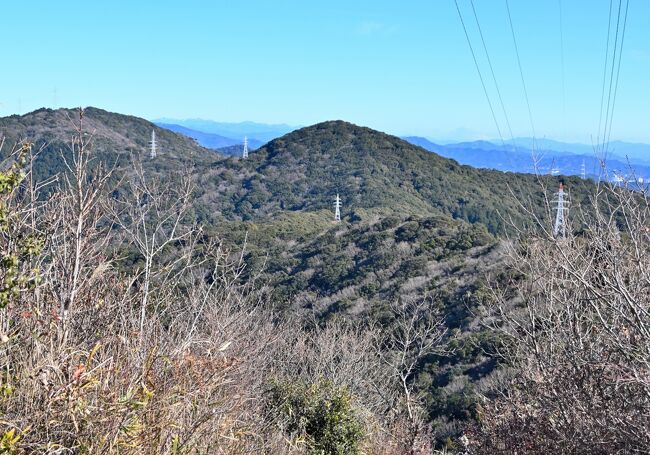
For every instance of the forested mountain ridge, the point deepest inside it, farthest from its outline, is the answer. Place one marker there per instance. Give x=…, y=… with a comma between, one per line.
x=117, y=139
x=305, y=169
x=301, y=171
x=118, y=132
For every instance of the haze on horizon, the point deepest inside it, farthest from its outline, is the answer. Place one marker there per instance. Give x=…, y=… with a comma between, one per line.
x=404, y=70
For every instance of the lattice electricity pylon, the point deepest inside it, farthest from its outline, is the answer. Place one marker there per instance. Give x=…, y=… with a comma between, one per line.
x=337, y=208
x=245, y=152
x=583, y=170
x=152, y=145
x=562, y=209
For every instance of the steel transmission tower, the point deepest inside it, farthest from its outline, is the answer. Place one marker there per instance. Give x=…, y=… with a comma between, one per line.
x=559, y=230
x=337, y=208
x=245, y=152
x=583, y=171
x=152, y=145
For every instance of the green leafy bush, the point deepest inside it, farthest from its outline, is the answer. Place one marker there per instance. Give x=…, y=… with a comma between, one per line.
x=320, y=414
x=16, y=245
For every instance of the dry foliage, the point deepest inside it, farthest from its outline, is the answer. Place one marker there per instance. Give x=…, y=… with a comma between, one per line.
x=170, y=353
x=576, y=333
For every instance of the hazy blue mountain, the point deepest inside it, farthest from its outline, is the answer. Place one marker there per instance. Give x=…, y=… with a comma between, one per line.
x=619, y=150
x=260, y=132
x=213, y=141
x=422, y=142
x=526, y=143
x=633, y=151
x=210, y=140
x=485, y=154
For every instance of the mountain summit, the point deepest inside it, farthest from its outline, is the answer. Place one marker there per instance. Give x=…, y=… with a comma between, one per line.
x=116, y=137
x=371, y=170
x=300, y=171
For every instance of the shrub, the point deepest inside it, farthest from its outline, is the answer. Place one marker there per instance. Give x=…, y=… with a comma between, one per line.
x=321, y=414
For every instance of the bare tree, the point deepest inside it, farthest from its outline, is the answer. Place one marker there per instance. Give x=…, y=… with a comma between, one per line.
x=574, y=318
x=154, y=217
x=74, y=221
x=415, y=333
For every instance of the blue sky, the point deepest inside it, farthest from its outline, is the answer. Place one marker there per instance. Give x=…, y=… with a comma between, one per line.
x=402, y=67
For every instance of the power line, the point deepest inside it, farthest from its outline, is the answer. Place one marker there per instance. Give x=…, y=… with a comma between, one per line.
x=478, y=70
x=521, y=74
x=618, y=70
x=602, y=93
x=611, y=76
x=562, y=69
x=496, y=85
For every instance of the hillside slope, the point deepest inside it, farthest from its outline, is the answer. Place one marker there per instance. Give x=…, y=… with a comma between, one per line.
x=303, y=171
x=117, y=139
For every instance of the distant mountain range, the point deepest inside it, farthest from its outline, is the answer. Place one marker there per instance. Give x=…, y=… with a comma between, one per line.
x=623, y=159
x=618, y=150
x=261, y=132
x=227, y=138
x=213, y=141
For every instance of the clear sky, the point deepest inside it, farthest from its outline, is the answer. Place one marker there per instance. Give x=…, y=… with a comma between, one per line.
x=398, y=66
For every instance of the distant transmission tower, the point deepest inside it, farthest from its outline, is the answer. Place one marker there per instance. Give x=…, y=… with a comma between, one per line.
x=559, y=230
x=337, y=208
x=152, y=145
x=583, y=171
x=245, y=152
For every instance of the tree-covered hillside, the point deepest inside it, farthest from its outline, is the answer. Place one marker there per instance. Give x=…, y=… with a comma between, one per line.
x=301, y=171
x=304, y=170
x=116, y=139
